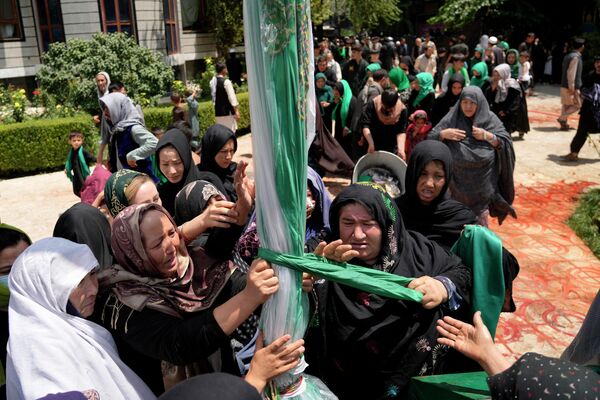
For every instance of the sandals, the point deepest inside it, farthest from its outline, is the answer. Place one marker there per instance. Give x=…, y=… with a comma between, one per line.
x=563, y=124
x=571, y=157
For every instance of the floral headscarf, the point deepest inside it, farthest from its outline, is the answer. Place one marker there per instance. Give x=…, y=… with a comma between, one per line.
x=138, y=283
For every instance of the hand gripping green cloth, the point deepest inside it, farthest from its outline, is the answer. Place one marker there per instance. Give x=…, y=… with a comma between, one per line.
x=481, y=250
x=369, y=280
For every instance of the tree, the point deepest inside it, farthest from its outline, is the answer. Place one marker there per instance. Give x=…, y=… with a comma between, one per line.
x=69, y=69
x=226, y=19
x=369, y=14
x=320, y=11
x=457, y=13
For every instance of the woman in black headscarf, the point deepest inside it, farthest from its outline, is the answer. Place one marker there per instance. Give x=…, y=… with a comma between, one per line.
x=444, y=103
x=219, y=144
x=425, y=206
x=372, y=345
x=482, y=155
x=85, y=224
x=196, y=198
x=174, y=158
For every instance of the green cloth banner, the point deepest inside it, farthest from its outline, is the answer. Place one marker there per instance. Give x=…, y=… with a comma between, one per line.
x=369, y=280
x=481, y=250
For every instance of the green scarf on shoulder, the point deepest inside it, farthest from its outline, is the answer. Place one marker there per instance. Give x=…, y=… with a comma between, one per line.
x=85, y=170
x=481, y=250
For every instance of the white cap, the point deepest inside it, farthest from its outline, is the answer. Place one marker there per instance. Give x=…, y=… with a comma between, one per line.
x=493, y=40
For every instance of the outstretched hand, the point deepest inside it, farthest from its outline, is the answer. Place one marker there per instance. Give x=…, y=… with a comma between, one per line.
x=336, y=251
x=474, y=341
x=244, y=189
x=273, y=360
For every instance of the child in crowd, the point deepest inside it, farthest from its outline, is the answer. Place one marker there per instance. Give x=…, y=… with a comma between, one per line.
x=524, y=70
x=158, y=132
x=192, y=112
x=417, y=130
x=191, y=116
x=77, y=165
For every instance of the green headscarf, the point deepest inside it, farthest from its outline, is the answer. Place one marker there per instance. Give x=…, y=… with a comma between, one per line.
x=323, y=94
x=399, y=78
x=514, y=68
x=482, y=68
x=425, y=87
x=373, y=67
x=504, y=45
x=85, y=170
x=114, y=190
x=344, y=101
x=463, y=72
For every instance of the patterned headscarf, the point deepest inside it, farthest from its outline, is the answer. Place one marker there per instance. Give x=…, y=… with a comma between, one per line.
x=138, y=283
x=114, y=190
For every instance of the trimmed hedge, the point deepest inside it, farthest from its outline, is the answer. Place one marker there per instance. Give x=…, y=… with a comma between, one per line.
x=42, y=144
x=161, y=116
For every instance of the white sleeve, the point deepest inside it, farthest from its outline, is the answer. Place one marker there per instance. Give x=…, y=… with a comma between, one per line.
x=230, y=93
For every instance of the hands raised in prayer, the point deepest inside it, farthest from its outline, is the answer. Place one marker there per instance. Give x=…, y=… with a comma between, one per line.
x=434, y=291
x=273, y=360
x=336, y=251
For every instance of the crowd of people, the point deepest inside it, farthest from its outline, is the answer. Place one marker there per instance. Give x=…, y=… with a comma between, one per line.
x=152, y=282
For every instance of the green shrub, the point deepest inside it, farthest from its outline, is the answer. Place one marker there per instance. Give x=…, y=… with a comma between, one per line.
x=43, y=144
x=585, y=221
x=161, y=116
x=69, y=69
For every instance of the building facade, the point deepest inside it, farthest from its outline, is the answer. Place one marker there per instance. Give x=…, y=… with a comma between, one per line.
x=175, y=28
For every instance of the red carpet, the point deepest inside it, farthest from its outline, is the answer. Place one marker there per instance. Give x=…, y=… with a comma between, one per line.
x=559, y=274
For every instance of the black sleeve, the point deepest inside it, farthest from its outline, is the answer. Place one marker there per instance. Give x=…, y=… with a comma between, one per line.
x=460, y=275
x=355, y=113
x=427, y=103
x=88, y=157
x=402, y=122
x=164, y=337
x=221, y=241
x=367, y=115
x=513, y=101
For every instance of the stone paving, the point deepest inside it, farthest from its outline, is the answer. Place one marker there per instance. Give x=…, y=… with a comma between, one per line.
x=559, y=275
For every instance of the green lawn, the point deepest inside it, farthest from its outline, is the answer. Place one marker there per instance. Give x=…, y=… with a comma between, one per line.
x=586, y=220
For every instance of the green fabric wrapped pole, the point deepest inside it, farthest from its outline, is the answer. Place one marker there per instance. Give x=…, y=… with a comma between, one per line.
x=369, y=280
x=481, y=250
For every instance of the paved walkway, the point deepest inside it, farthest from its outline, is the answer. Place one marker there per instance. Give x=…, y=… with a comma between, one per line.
x=559, y=275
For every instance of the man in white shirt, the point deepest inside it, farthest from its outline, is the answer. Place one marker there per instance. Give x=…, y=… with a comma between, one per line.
x=224, y=99
x=426, y=62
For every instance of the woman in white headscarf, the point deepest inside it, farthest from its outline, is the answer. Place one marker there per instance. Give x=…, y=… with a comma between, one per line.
x=507, y=100
x=52, y=347
x=102, y=83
